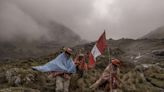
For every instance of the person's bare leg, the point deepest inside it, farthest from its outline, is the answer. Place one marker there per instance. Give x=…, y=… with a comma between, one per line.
x=59, y=84
x=66, y=85
x=96, y=84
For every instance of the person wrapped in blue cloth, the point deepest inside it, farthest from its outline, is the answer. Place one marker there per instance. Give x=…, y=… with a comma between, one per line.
x=61, y=68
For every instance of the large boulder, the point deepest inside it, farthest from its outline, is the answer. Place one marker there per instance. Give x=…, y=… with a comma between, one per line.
x=27, y=78
x=18, y=76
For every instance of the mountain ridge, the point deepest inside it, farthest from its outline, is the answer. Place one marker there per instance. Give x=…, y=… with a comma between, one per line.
x=155, y=34
x=58, y=36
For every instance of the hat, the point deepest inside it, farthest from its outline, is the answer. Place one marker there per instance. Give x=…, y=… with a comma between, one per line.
x=81, y=55
x=116, y=62
x=68, y=50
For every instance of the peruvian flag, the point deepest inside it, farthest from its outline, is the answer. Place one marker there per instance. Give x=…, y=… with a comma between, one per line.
x=98, y=49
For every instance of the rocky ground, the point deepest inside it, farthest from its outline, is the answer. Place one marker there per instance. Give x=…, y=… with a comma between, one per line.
x=142, y=69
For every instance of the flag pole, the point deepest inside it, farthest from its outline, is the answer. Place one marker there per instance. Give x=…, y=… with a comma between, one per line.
x=108, y=52
x=109, y=58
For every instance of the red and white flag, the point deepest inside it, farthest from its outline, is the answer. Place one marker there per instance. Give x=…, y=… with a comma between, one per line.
x=98, y=49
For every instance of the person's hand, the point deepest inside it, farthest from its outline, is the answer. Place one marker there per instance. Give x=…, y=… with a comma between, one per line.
x=67, y=76
x=50, y=76
x=93, y=87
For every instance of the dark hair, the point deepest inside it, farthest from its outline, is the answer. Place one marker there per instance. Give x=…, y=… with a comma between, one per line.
x=80, y=57
x=67, y=53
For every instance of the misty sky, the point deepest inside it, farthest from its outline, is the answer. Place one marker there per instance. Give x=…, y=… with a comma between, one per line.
x=88, y=18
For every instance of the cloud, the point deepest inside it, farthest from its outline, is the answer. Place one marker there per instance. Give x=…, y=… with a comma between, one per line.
x=15, y=22
x=88, y=18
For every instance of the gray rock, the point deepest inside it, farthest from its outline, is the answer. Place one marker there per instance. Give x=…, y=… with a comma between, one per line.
x=13, y=77
x=158, y=52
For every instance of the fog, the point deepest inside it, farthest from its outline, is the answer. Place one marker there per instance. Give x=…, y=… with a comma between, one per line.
x=87, y=18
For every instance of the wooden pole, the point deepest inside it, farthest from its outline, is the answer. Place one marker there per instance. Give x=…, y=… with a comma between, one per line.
x=110, y=56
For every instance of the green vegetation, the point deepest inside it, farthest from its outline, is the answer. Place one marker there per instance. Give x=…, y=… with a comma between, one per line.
x=19, y=77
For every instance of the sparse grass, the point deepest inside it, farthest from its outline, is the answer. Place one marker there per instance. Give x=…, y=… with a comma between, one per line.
x=133, y=81
x=157, y=76
x=156, y=82
x=19, y=89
